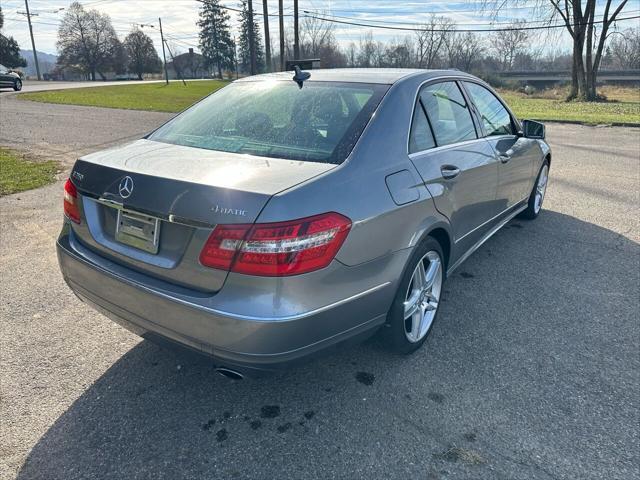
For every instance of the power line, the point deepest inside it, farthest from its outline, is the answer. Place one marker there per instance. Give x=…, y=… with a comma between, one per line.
x=515, y=20
x=475, y=30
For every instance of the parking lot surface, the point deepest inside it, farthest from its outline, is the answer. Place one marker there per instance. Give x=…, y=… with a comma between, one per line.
x=532, y=371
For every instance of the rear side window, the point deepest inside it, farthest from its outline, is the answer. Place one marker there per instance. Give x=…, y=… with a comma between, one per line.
x=319, y=122
x=420, y=137
x=495, y=117
x=448, y=112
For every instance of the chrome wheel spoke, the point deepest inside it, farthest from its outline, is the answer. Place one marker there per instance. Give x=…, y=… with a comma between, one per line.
x=422, y=296
x=431, y=273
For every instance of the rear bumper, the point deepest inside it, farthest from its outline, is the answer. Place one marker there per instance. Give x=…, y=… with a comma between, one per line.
x=227, y=326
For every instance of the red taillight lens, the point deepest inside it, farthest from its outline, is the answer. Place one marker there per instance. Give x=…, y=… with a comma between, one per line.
x=276, y=249
x=71, y=210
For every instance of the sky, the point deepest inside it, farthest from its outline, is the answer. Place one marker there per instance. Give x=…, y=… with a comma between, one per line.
x=179, y=18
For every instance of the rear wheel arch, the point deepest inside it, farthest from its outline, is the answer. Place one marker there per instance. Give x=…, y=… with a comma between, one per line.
x=443, y=238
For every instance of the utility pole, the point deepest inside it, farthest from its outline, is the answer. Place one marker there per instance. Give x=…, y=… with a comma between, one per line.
x=175, y=66
x=267, y=45
x=164, y=55
x=33, y=43
x=235, y=55
x=252, y=42
x=281, y=20
x=296, y=38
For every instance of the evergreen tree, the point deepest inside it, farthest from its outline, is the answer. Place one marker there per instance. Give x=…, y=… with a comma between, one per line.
x=215, y=39
x=243, y=45
x=9, y=49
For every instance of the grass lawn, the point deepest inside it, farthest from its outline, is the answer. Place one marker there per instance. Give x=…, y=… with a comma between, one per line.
x=622, y=107
x=17, y=173
x=151, y=96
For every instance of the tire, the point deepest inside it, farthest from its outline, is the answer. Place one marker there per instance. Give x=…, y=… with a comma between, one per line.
x=17, y=85
x=401, y=334
x=534, y=205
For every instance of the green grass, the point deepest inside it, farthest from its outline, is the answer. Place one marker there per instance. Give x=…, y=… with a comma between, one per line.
x=623, y=107
x=17, y=173
x=151, y=96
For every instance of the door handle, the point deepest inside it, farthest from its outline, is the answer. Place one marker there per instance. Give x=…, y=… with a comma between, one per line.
x=504, y=158
x=449, y=171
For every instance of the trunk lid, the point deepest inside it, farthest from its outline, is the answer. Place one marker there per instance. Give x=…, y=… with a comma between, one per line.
x=189, y=190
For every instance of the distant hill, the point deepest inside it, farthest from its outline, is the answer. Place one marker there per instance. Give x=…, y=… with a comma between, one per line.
x=46, y=61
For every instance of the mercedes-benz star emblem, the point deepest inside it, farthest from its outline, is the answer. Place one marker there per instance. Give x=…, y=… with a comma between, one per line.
x=126, y=187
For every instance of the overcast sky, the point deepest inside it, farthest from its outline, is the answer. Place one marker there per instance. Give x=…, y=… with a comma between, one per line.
x=179, y=18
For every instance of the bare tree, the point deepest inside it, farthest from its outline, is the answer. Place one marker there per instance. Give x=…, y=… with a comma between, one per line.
x=589, y=33
x=315, y=33
x=87, y=38
x=431, y=40
x=464, y=50
x=399, y=53
x=509, y=44
x=367, y=51
x=625, y=49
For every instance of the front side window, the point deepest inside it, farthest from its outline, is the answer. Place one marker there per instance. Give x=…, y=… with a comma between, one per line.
x=448, y=112
x=495, y=117
x=319, y=122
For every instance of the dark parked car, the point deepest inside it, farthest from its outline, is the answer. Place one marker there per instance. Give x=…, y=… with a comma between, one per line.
x=9, y=79
x=276, y=218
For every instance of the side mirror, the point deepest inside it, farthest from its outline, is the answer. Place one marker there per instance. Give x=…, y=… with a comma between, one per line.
x=533, y=129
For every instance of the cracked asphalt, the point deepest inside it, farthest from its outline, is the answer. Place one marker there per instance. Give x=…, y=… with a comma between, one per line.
x=532, y=372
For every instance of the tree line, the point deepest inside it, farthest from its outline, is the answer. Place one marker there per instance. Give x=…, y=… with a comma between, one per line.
x=87, y=42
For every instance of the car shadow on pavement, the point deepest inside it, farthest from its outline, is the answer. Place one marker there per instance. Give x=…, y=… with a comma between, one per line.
x=525, y=368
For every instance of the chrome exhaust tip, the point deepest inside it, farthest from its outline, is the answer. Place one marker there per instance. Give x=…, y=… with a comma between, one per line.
x=232, y=374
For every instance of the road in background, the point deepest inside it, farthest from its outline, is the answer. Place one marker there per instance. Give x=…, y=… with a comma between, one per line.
x=64, y=132
x=36, y=86
x=532, y=371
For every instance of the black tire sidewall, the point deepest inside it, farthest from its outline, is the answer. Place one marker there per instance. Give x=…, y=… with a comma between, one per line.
x=530, y=212
x=17, y=85
x=394, y=329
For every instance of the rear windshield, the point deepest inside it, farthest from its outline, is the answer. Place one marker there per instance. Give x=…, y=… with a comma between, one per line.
x=319, y=122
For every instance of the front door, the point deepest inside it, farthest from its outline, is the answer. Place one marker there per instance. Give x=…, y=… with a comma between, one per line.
x=516, y=155
x=459, y=169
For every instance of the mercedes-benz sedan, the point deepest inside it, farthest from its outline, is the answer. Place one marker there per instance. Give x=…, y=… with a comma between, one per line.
x=281, y=216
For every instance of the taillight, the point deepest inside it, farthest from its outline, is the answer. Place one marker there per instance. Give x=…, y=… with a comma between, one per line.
x=71, y=210
x=276, y=249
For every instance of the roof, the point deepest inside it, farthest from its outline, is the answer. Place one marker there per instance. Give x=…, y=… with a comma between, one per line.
x=358, y=75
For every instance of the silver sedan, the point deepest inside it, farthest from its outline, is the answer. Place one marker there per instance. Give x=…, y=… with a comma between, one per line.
x=280, y=216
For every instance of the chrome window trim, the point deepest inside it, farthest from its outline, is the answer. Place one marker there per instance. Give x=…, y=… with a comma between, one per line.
x=444, y=78
x=444, y=147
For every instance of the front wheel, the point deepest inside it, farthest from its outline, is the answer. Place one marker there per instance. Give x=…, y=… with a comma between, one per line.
x=17, y=85
x=415, y=306
x=537, y=194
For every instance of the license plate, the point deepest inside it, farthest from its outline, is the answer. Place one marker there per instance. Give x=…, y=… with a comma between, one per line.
x=138, y=230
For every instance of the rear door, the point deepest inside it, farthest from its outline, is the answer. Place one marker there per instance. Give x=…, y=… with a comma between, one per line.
x=458, y=167
x=515, y=153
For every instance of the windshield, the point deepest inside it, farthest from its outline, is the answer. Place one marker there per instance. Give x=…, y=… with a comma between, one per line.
x=319, y=122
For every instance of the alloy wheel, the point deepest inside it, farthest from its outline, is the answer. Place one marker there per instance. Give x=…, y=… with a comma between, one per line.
x=423, y=295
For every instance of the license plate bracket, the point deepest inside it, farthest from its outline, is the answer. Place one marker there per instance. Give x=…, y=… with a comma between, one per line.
x=138, y=230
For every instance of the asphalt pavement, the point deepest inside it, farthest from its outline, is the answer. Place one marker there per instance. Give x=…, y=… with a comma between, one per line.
x=39, y=86
x=532, y=371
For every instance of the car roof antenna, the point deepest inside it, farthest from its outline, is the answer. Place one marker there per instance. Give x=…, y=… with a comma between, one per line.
x=300, y=76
